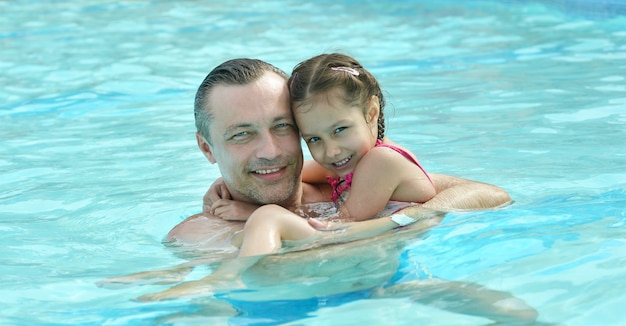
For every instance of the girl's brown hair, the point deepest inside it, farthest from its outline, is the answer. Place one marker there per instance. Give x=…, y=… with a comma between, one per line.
x=328, y=71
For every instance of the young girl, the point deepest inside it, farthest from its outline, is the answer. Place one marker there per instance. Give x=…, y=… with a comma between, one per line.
x=338, y=107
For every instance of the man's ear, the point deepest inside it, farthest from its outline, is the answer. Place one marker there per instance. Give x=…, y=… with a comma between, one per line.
x=373, y=110
x=205, y=148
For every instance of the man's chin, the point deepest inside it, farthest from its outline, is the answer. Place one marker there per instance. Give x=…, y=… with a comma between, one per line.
x=281, y=195
x=279, y=199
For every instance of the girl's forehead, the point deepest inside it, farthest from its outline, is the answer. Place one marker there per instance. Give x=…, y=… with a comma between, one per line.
x=334, y=98
x=325, y=112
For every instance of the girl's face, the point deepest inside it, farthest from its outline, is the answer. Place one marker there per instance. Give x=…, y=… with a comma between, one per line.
x=338, y=134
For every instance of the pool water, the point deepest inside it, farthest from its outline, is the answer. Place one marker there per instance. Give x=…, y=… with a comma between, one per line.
x=98, y=158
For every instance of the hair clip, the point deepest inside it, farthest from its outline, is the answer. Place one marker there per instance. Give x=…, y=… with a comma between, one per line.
x=349, y=70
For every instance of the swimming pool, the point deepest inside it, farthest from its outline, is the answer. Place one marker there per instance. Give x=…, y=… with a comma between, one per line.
x=98, y=158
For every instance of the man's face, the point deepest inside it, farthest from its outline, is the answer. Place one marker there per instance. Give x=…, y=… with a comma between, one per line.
x=255, y=141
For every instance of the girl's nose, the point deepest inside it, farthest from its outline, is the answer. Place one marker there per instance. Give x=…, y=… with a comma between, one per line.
x=332, y=150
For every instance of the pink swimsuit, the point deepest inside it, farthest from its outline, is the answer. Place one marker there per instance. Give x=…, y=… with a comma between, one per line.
x=339, y=186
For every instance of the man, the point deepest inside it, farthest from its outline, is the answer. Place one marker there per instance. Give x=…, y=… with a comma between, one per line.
x=245, y=125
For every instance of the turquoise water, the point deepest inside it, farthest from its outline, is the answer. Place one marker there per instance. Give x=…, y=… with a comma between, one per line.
x=98, y=158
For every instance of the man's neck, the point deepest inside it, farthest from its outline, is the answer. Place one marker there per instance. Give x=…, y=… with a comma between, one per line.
x=295, y=200
x=315, y=193
x=298, y=197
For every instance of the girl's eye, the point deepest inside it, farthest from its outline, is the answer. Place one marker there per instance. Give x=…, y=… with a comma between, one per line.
x=312, y=140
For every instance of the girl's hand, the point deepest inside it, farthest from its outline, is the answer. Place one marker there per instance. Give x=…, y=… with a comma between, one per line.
x=231, y=210
x=217, y=191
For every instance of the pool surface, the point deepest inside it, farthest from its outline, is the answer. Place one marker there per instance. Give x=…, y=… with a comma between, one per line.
x=98, y=158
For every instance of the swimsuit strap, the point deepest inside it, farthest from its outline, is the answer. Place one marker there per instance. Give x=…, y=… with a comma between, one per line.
x=407, y=155
x=339, y=185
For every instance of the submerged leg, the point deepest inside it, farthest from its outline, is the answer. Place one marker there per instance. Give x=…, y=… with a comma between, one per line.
x=225, y=277
x=161, y=276
x=164, y=276
x=465, y=298
x=263, y=234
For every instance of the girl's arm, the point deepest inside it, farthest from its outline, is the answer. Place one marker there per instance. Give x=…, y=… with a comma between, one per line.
x=383, y=175
x=420, y=218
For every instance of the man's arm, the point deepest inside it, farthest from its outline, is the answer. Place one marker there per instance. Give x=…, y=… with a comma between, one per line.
x=455, y=194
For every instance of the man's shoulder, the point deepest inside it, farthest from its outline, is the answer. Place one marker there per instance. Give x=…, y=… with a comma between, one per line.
x=199, y=228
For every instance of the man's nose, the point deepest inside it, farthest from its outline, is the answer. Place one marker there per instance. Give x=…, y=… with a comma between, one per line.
x=269, y=147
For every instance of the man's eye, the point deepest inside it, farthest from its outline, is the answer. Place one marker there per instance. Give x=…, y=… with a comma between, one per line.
x=240, y=135
x=339, y=129
x=284, y=128
x=284, y=125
